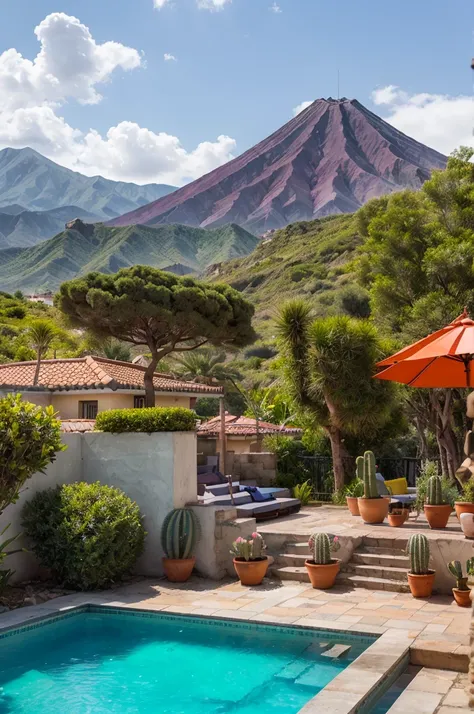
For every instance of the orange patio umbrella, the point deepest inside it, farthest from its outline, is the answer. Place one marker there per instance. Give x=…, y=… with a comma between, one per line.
x=443, y=359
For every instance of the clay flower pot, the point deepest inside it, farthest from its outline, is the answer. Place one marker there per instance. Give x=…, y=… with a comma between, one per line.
x=322, y=576
x=438, y=516
x=421, y=585
x=463, y=507
x=352, y=505
x=373, y=510
x=396, y=519
x=178, y=571
x=251, y=572
x=462, y=597
x=467, y=524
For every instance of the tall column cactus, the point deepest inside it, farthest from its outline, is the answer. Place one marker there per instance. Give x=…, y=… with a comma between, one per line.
x=365, y=468
x=321, y=548
x=418, y=550
x=434, y=495
x=179, y=534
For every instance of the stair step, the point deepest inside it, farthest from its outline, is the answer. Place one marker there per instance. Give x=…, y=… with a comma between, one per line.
x=383, y=550
x=297, y=548
x=370, y=583
x=385, y=543
x=384, y=559
x=376, y=571
x=292, y=572
x=297, y=559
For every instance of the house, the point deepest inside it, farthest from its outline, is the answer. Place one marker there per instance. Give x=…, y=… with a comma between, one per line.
x=79, y=388
x=241, y=433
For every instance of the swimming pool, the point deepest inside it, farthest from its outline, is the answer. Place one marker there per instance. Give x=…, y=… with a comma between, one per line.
x=112, y=661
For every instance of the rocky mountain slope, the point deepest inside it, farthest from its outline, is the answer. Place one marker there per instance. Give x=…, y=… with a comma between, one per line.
x=330, y=159
x=38, y=184
x=84, y=247
x=22, y=228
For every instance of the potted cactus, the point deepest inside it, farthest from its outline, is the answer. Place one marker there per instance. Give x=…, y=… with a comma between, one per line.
x=353, y=492
x=420, y=577
x=437, y=511
x=250, y=562
x=462, y=591
x=179, y=535
x=373, y=507
x=322, y=569
x=397, y=515
x=465, y=503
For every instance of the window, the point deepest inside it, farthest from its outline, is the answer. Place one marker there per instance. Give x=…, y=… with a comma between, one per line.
x=88, y=410
x=138, y=402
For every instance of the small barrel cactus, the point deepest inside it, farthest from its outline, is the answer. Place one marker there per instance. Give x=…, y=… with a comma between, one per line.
x=434, y=494
x=250, y=548
x=321, y=545
x=365, y=468
x=418, y=550
x=179, y=534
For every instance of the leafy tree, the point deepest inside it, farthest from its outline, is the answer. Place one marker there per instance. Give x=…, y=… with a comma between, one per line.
x=41, y=335
x=328, y=369
x=418, y=265
x=165, y=312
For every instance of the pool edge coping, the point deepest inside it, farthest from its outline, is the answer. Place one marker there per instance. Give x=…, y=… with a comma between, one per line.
x=345, y=694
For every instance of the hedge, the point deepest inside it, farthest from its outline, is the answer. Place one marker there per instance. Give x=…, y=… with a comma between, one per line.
x=118, y=421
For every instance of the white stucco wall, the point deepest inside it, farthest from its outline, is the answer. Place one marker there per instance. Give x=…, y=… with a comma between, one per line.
x=158, y=471
x=66, y=469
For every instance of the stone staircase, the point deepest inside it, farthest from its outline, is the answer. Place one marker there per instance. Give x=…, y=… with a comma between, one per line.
x=372, y=566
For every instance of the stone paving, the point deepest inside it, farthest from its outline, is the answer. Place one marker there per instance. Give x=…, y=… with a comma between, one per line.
x=434, y=691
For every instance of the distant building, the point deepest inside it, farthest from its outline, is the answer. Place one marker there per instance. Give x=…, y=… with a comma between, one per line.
x=241, y=432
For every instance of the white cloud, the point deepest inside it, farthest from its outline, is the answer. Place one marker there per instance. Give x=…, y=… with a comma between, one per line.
x=212, y=4
x=275, y=8
x=441, y=121
x=169, y=58
x=70, y=65
x=160, y=3
x=301, y=107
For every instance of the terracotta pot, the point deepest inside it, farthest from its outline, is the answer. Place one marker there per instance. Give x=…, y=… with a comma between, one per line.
x=467, y=524
x=352, y=505
x=421, y=585
x=438, y=516
x=251, y=572
x=373, y=510
x=396, y=519
x=322, y=576
x=178, y=571
x=462, y=597
x=463, y=507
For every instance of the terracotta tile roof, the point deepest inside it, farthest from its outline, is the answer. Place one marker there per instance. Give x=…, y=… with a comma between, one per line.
x=244, y=426
x=91, y=373
x=78, y=426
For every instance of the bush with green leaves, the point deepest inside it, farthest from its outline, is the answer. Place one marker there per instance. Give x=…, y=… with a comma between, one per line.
x=303, y=492
x=89, y=535
x=154, y=419
x=291, y=470
x=30, y=438
x=467, y=495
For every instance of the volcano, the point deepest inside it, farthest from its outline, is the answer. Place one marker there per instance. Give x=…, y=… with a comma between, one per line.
x=331, y=158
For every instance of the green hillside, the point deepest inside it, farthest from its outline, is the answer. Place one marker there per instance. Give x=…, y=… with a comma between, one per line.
x=75, y=252
x=306, y=259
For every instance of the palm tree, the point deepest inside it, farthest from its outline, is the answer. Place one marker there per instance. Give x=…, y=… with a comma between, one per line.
x=41, y=334
x=328, y=367
x=205, y=366
x=113, y=349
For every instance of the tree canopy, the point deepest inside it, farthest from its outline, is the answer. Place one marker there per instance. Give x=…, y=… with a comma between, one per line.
x=165, y=312
x=328, y=369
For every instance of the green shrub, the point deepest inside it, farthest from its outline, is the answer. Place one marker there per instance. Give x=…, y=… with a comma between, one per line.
x=30, y=437
x=304, y=492
x=18, y=312
x=88, y=534
x=117, y=421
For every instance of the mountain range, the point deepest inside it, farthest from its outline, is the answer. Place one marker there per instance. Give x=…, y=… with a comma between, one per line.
x=83, y=247
x=31, y=182
x=21, y=228
x=329, y=159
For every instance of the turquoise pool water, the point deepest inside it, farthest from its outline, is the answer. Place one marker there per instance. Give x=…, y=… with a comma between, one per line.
x=109, y=662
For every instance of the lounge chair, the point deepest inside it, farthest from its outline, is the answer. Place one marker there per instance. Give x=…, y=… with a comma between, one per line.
x=407, y=499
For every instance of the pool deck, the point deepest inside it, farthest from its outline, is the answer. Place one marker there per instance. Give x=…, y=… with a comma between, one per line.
x=433, y=633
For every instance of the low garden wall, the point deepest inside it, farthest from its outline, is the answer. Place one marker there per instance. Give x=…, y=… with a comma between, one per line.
x=158, y=471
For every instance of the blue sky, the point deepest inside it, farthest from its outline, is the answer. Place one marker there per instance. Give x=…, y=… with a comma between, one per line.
x=239, y=72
